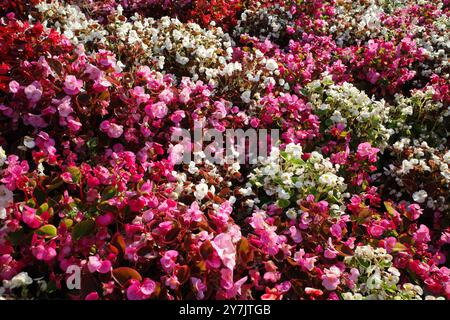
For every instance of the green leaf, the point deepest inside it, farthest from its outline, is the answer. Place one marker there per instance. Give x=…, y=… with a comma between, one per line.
x=48, y=230
x=83, y=228
x=43, y=208
x=283, y=203
x=109, y=192
x=390, y=209
x=76, y=174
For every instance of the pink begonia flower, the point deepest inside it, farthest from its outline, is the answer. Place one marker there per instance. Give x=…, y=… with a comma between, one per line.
x=353, y=277
x=330, y=279
x=336, y=231
x=172, y=282
x=148, y=215
x=168, y=261
x=92, y=296
x=373, y=76
x=296, y=235
x=93, y=72
x=166, y=96
x=224, y=212
x=95, y=264
x=43, y=253
x=184, y=95
x=176, y=154
x=111, y=129
x=33, y=92
x=72, y=85
x=330, y=251
x=74, y=125
x=41, y=250
x=376, y=230
x=101, y=85
x=390, y=243
x=305, y=262
x=177, y=116
x=414, y=211
x=140, y=291
x=35, y=120
x=158, y=110
x=199, y=288
x=66, y=177
x=139, y=94
x=365, y=150
x=226, y=250
x=105, y=219
x=193, y=213
x=231, y=288
x=14, y=86
x=64, y=107
x=30, y=218
x=422, y=235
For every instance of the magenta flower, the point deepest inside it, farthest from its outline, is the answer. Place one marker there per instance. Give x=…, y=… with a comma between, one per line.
x=140, y=291
x=72, y=85
x=330, y=279
x=95, y=264
x=111, y=129
x=199, y=288
x=366, y=151
x=226, y=250
x=33, y=92
x=422, y=234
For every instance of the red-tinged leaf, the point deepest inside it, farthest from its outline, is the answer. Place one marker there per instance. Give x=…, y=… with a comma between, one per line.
x=172, y=234
x=245, y=252
x=48, y=231
x=119, y=242
x=206, y=249
x=183, y=274
x=123, y=274
x=112, y=249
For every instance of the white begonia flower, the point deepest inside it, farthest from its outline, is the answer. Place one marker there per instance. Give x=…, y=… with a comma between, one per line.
x=3, y=156
x=271, y=65
x=192, y=168
x=245, y=96
x=29, y=142
x=201, y=190
x=6, y=196
x=2, y=213
x=446, y=157
x=420, y=196
x=328, y=179
x=294, y=150
x=19, y=280
x=291, y=214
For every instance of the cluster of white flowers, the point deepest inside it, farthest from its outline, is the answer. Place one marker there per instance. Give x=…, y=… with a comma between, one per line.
x=421, y=115
x=289, y=178
x=259, y=21
x=166, y=43
x=20, y=281
x=344, y=104
x=71, y=22
x=421, y=171
x=376, y=278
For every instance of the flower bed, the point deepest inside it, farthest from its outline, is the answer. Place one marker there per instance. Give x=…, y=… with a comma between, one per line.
x=351, y=202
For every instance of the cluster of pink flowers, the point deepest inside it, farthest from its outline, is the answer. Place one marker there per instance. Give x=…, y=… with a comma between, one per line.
x=352, y=203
